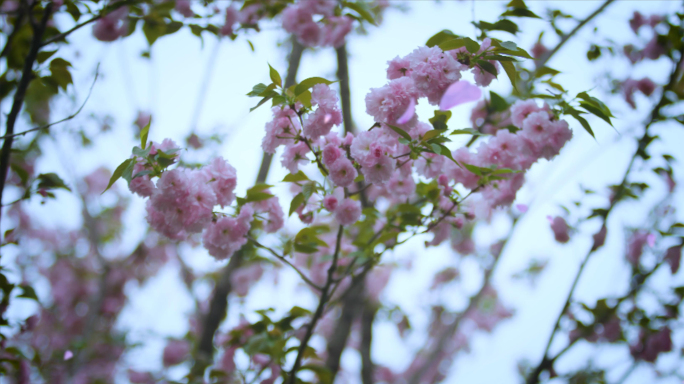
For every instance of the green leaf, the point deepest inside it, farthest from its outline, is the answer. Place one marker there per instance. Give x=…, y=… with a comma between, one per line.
x=118, y=172
x=430, y=135
x=576, y=114
x=21, y=172
x=440, y=37
x=51, y=181
x=440, y=119
x=497, y=102
x=310, y=82
x=265, y=99
x=593, y=109
x=28, y=292
x=471, y=45
x=467, y=131
x=511, y=72
x=501, y=25
x=487, y=67
x=362, y=9
x=498, y=58
x=275, y=76
x=509, y=45
x=546, y=71
x=473, y=169
x=520, y=12
x=296, y=177
x=59, y=68
x=448, y=45
x=401, y=132
x=256, y=193
x=44, y=55
x=143, y=134
x=304, y=98
x=296, y=202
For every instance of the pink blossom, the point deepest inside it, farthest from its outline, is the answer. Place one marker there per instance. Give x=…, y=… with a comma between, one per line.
x=111, y=26
x=458, y=93
x=386, y=104
x=348, y=212
x=182, y=202
x=538, y=50
x=183, y=7
x=335, y=30
x=136, y=377
x=445, y=276
x=342, y=172
x=649, y=346
x=222, y=179
x=379, y=171
x=560, y=229
x=275, y=217
x=430, y=165
x=646, y=86
x=330, y=203
x=433, y=71
x=673, y=257
x=376, y=281
x=637, y=21
x=231, y=18
x=294, y=155
x=142, y=119
x=521, y=109
x=242, y=279
x=227, y=235
x=398, y=67
x=175, y=352
x=281, y=130
x=408, y=115
x=330, y=154
x=599, y=238
x=635, y=246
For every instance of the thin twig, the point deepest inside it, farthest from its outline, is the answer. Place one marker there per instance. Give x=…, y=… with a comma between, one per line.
x=286, y=261
x=547, y=362
x=67, y=33
x=97, y=73
x=567, y=37
x=319, y=310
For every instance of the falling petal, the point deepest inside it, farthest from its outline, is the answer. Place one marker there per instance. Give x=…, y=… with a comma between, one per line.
x=410, y=111
x=458, y=93
x=68, y=355
x=650, y=239
x=522, y=208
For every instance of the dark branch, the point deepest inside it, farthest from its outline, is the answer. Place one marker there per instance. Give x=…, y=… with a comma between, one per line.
x=20, y=93
x=325, y=296
x=97, y=73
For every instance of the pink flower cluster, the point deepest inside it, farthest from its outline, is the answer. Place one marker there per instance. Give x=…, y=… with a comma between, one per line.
x=541, y=135
x=182, y=202
x=653, y=49
x=629, y=86
x=247, y=17
x=298, y=19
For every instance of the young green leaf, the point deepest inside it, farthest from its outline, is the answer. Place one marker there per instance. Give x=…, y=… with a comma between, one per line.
x=401, y=132
x=511, y=72
x=440, y=37
x=143, y=134
x=51, y=181
x=275, y=76
x=310, y=82
x=296, y=202
x=118, y=172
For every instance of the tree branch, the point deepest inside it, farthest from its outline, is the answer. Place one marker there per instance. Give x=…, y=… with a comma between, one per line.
x=67, y=33
x=367, y=318
x=97, y=73
x=567, y=37
x=286, y=261
x=319, y=310
x=546, y=362
x=219, y=302
x=20, y=93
